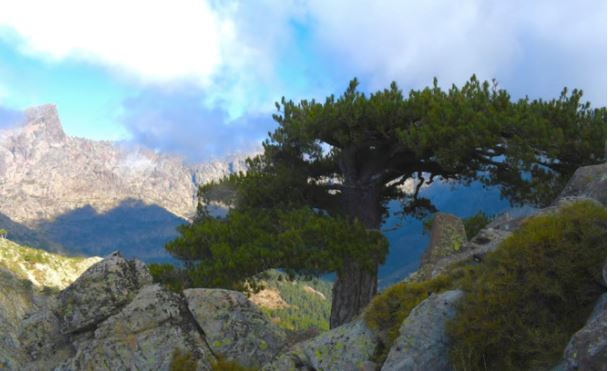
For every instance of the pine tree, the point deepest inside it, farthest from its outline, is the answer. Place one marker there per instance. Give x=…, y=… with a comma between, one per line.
x=315, y=199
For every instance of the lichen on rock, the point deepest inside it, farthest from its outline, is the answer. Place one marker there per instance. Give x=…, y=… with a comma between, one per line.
x=234, y=327
x=100, y=292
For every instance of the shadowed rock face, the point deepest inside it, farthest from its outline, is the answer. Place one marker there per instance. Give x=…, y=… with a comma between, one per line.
x=134, y=228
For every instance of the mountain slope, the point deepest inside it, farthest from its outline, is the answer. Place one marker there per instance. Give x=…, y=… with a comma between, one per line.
x=41, y=268
x=95, y=196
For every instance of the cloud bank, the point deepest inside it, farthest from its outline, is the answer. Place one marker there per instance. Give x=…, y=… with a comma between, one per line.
x=178, y=121
x=237, y=57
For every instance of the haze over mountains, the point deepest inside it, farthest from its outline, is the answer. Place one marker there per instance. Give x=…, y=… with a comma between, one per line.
x=94, y=197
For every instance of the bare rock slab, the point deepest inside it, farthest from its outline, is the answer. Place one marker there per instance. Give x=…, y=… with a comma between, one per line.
x=350, y=347
x=423, y=343
x=234, y=327
x=143, y=336
x=100, y=292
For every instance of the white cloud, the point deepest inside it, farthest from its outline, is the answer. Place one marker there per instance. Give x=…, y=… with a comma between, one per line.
x=238, y=51
x=412, y=41
x=156, y=40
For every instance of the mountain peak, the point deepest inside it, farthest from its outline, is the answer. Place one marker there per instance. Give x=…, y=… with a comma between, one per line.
x=45, y=119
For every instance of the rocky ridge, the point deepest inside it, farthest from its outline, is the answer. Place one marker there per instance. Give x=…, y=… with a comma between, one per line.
x=45, y=173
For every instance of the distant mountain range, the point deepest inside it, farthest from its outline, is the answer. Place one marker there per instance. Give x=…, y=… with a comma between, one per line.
x=93, y=197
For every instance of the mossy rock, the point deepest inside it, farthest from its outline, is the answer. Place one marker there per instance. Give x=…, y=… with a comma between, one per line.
x=388, y=310
x=235, y=328
x=447, y=238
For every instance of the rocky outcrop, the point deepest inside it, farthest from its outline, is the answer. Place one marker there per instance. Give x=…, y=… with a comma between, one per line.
x=111, y=318
x=423, y=342
x=485, y=241
x=587, y=182
x=448, y=238
x=349, y=347
x=42, y=340
x=142, y=336
x=100, y=292
x=234, y=327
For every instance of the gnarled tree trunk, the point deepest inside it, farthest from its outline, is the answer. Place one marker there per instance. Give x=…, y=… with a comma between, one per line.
x=356, y=286
x=354, y=289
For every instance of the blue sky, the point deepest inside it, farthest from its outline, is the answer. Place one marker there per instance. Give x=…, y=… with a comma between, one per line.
x=199, y=78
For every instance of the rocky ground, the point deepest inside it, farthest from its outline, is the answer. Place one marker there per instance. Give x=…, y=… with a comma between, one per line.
x=114, y=317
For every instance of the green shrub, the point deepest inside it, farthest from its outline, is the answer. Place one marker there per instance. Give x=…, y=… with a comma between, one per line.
x=34, y=256
x=531, y=294
x=389, y=309
x=182, y=361
x=475, y=223
x=173, y=278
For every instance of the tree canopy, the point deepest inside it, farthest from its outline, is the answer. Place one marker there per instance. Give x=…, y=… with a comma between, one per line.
x=314, y=200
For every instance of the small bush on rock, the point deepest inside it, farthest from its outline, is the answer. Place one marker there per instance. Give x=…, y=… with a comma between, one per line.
x=182, y=361
x=222, y=364
x=530, y=295
x=173, y=278
x=475, y=223
x=387, y=310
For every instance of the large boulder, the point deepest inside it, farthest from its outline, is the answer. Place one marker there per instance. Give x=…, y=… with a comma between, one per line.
x=423, y=343
x=100, y=292
x=349, y=347
x=587, y=182
x=234, y=327
x=447, y=238
x=586, y=350
x=144, y=335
